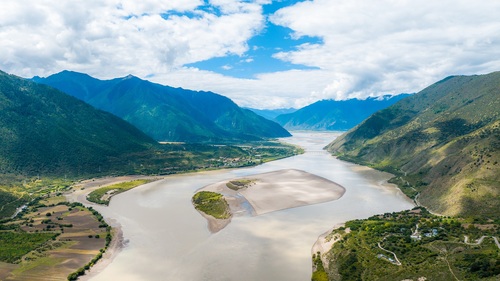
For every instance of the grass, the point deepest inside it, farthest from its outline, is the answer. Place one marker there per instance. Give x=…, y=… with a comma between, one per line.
x=96, y=196
x=439, y=256
x=10, y=201
x=239, y=184
x=212, y=203
x=14, y=245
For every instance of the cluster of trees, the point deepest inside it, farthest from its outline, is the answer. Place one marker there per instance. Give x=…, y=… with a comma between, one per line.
x=438, y=239
x=211, y=203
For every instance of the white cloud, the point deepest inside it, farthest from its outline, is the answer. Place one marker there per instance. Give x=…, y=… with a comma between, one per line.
x=113, y=38
x=379, y=47
x=368, y=48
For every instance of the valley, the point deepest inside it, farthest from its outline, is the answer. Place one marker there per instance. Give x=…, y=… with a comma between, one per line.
x=51, y=142
x=59, y=256
x=440, y=146
x=159, y=221
x=250, y=140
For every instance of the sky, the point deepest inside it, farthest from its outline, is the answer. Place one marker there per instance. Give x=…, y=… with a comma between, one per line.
x=262, y=54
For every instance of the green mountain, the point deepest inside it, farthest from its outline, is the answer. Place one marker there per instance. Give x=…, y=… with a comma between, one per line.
x=332, y=115
x=443, y=143
x=166, y=113
x=43, y=130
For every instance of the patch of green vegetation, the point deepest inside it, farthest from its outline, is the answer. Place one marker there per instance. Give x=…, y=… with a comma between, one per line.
x=426, y=245
x=319, y=273
x=96, y=196
x=212, y=203
x=9, y=202
x=16, y=191
x=239, y=184
x=405, y=187
x=14, y=245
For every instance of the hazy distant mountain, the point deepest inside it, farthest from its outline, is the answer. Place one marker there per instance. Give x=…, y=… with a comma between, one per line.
x=271, y=114
x=166, y=113
x=43, y=130
x=443, y=143
x=334, y=115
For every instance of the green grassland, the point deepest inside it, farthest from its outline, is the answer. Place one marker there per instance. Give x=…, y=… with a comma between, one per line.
x=14, y=245
x=212, y=204
x=239, y=184
x=437, y=251
x=97, y=195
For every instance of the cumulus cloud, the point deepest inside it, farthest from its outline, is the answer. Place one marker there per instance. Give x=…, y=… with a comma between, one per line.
x=367, y=48
x=377, y=47
x=112, y=38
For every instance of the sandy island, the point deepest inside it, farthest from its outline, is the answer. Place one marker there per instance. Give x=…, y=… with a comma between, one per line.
x=273, y=191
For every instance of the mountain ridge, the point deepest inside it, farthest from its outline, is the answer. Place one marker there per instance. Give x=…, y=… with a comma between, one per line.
x=46, y=131
x=166, y=113
x=332, y=115
x=443, y=144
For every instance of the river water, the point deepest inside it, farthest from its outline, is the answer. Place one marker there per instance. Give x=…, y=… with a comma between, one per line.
x=167, y=239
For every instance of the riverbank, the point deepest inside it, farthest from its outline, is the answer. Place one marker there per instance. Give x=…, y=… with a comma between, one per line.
x=412, y=245
x=114, y=248
x=79, y=192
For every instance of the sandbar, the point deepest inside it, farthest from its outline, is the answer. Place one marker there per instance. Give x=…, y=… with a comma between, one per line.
x=277, y=190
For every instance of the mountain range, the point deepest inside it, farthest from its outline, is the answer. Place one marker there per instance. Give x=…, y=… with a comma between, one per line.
x=271, y=114
x=44, y=130
x=332, y=115
x=165, y=113
x=443, y=143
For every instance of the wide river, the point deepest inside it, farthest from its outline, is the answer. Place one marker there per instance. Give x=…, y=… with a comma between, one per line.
x=167, y=239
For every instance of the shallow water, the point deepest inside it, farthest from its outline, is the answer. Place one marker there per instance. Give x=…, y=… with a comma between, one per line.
x=169, y=240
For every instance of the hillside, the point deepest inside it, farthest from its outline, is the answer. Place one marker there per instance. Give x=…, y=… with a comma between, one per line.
x=443, y=143
x=43, y=130
x=332, y=115
x=166, y=113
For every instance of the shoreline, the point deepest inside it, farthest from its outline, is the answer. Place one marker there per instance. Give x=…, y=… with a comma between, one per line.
x=118, y=243
x=273, y=191
x=323, y=246
x=79, y=194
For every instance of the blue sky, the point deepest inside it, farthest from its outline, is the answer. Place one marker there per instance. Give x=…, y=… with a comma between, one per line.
x=260, y=53
x=261, y=48
x=259, y=58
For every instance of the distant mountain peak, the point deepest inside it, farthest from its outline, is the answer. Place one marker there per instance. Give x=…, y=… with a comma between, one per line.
x=166, y=113
x=333, y=115
x=130, y=76
x=51, y=132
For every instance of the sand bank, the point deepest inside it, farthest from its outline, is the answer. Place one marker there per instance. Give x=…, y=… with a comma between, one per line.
x=277, y=190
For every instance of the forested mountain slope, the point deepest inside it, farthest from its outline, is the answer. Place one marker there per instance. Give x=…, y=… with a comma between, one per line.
x=443, y=143
x=166, y=113
x=43, y=130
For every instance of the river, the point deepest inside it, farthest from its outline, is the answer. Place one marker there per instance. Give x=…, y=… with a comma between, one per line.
x=167, y=239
